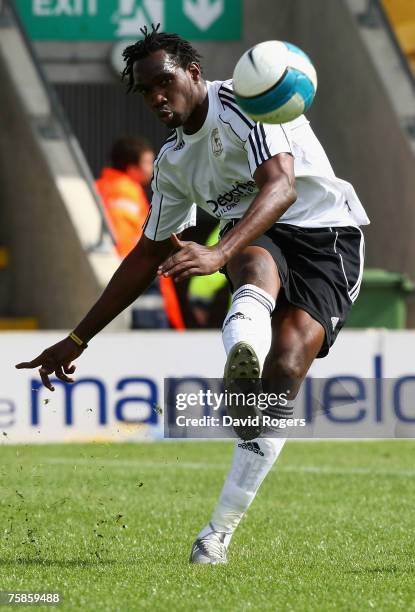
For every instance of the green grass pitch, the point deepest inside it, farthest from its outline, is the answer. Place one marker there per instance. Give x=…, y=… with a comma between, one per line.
x=110, y=527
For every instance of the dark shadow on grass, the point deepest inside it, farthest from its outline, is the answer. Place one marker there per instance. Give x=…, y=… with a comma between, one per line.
x=58, y=562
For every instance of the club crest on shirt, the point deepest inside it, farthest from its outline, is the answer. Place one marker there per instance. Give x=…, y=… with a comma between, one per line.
x=217, y=146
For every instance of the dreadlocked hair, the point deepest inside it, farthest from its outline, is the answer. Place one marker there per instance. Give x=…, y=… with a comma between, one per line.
x=173, y=44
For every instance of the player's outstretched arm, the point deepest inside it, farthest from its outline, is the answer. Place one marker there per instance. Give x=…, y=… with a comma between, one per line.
x=276, y=181
x=133, y=276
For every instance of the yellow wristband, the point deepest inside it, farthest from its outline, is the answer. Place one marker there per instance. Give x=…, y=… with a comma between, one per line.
x=78, y=340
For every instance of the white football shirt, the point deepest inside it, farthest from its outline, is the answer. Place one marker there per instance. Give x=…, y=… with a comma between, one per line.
x=214, y=169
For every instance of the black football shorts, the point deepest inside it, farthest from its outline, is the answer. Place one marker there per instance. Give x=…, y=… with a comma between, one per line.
x=320, y=270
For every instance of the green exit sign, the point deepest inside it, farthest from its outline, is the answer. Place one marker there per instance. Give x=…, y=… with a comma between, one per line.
x=122, y=19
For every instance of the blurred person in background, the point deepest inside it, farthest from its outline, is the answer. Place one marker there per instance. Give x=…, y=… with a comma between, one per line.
x=122, y=190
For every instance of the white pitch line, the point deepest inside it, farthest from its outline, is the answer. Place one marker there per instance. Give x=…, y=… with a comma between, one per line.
x=309, y=469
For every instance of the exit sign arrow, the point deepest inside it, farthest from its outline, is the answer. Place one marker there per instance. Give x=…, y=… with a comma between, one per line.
x=202, y=12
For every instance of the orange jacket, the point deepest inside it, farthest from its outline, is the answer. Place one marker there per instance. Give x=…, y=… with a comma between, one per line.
x=126, y=207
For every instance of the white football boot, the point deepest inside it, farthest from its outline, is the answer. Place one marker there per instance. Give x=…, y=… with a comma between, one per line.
x=210, y=549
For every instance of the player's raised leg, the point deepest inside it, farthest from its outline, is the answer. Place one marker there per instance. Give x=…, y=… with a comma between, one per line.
x=295, y=340
x=246, y=331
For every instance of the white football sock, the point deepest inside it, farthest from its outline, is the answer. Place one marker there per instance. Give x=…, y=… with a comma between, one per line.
x=251, y=463
x=249, y=320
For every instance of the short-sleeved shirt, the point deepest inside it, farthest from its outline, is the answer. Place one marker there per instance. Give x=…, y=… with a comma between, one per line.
x=214, y=169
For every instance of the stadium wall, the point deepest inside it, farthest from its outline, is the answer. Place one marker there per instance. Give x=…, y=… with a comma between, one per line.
x=47, y=264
